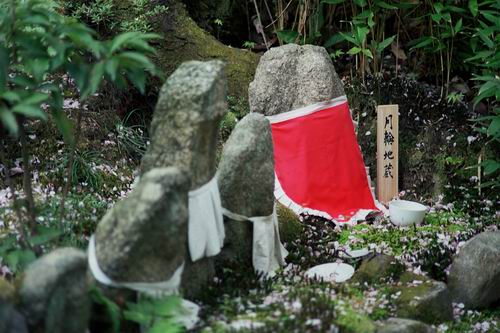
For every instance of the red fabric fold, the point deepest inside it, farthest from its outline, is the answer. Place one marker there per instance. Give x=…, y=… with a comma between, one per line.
x=319, y=165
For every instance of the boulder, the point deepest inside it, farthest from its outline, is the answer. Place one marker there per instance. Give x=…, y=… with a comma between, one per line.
x=474, y=277
x=292, y=76
x=246, y=182
x=184, y=133
x=428, y=301
x=54, y=292
x=142, y=238
x=399, y=325
x=378, y=267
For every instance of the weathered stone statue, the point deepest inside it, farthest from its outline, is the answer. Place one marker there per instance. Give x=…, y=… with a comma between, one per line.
x=246, y=183
x=141, y=239
x=184, y=133
x=54, y=292
x=291, y=77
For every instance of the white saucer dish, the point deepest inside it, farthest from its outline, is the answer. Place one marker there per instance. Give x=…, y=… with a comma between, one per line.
x=331, y=272
x=405, y=213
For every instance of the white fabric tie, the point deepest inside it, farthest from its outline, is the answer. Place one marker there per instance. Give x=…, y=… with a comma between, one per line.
x=154, y=289
x=206, y=223
x=187, y=315
x=268, y=254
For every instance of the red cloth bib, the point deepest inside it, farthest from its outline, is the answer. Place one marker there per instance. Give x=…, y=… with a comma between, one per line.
x=318, y=164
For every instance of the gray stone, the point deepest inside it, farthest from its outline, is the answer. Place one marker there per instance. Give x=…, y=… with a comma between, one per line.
x=398, y=325
x=378, y=267
x=428, y=301
x=142, y=238
x=11, y=321
x=186, y=120
x=54, y=292
x=474, y=277
x=246, y=182
x=292, y=76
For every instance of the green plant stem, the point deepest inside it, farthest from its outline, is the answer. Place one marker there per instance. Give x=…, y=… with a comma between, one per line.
x=260, y=22
x=28, y=190
x=69, y=167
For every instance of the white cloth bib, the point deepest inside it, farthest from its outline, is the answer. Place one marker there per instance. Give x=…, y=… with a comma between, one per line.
x=268, y=254
x=206, y=223
x=154, y=289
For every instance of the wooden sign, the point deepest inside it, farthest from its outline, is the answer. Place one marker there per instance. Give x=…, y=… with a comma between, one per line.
x=387, y=152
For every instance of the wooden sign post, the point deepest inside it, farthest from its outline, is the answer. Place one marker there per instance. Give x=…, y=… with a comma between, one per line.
x=387, y=152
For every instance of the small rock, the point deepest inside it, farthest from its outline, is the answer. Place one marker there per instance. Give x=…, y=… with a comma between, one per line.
x=399, y=325
x=474, y=278
x=379, y=267
x=428, y=301
x=54, y=292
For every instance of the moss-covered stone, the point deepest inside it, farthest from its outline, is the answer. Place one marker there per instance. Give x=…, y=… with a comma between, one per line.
x=289, y=224
x=7, y=290
x=351, y=321
x=377, y=268
x=427, y=301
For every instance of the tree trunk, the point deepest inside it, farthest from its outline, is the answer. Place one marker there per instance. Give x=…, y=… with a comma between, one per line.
x=184, y=40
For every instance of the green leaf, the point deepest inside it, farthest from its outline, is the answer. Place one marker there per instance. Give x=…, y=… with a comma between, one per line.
x=80, y=73
x=473, y=7
x=111, y=307
x=138, y=79
x=354, y=50
x=45, y=235
x=29, y=110
x=367, y=53
x=385, y=5
x=385, y=43
x=35, y=98
x=9, y=121
x=361, y=33
x=19, y=259
x=438, y=7
x=95, y=80
x=64, y=125
x=132, y=38
x=424, y=41
x=112, y=68
x=360, y=3
x=11, y=96
x=494, y=128
x=490, y=166
x=349, y=38
x=457, y=27
x=333, y=2
x=287, y=36
x=335, y=39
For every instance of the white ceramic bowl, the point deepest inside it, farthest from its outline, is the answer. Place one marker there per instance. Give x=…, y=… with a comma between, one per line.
x=404, y=213
x=332, y=272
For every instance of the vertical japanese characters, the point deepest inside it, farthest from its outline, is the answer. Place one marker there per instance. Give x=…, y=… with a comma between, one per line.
x=387, y=152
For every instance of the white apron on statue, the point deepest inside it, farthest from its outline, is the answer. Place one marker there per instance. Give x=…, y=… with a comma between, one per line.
x=206, y=223
x=268, y=254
